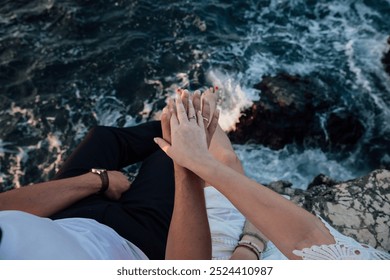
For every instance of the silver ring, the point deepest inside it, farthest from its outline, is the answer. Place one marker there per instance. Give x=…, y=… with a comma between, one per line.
x=206, y=119
x=193, y=117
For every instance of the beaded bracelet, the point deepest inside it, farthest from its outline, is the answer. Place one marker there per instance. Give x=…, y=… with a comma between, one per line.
x=251, y=246
x=256, y=236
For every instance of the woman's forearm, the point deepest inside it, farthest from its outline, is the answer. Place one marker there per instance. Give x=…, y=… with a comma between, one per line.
x=287, y=225
x=45, y=199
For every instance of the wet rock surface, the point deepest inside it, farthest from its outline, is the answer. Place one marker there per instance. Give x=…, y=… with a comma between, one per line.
x=358, y=208
x=293, y=109
x=386, y=59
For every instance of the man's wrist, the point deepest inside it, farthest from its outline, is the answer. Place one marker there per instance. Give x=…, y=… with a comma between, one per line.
x=183, y=174
x=102, y=173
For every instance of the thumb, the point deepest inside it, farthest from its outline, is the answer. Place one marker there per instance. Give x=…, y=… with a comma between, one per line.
x=164, y=145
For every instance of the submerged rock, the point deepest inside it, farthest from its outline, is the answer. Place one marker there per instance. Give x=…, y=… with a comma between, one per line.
x=357, y=208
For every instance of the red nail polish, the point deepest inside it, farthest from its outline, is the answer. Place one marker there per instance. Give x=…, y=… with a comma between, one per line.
x=216, y=87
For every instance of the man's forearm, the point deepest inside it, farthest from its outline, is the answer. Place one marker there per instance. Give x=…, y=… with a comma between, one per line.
x=45, y=199
x=189, y=232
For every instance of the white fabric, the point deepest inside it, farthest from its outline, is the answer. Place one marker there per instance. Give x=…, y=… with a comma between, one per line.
x=226, y=224
x=345, y=248
x=27, y=236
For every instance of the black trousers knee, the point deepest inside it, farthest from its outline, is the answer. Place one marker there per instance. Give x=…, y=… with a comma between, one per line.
x=143, y=213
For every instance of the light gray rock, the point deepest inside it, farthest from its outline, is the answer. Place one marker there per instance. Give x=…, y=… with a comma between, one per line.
x=357, y=208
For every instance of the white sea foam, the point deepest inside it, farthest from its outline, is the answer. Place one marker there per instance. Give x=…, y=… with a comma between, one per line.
x=4, y=149
x=298, y=167
x=17, y=169
x=147, y=110
x=109, y=110
x=56, y=149
x=233, y=99
x=28, y=113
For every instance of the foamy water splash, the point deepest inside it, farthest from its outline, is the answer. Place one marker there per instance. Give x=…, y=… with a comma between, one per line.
x=232, y=98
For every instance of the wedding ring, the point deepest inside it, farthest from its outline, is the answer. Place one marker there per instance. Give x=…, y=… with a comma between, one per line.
x=206, y=119
x=193, y=117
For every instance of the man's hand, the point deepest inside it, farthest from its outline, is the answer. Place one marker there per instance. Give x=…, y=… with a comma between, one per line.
x=118, y=184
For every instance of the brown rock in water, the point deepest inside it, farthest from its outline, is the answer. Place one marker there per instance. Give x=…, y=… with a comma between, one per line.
x=281, y=116
x=342, y=128
x=290, y=111
x=357, y=208
x=386, y=58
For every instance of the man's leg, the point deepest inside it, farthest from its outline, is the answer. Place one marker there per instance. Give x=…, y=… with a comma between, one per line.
x=111, y=148
x=143, y=214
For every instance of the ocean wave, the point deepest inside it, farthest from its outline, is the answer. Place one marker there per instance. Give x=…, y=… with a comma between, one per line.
x=67, y=66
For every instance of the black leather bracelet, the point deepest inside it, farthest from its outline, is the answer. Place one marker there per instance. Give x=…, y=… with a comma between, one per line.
x=104, y=177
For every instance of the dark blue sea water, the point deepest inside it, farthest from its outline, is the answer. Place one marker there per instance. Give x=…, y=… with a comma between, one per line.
x=68, y=65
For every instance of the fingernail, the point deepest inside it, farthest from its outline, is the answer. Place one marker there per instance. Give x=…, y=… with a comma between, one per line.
x=155, y=140
x=216, y=87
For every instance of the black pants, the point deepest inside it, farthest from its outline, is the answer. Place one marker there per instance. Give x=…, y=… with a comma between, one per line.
x=143, y=213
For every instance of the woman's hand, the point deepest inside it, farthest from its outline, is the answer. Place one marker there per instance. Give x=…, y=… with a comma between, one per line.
x=206, y=103
x=188, y=140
